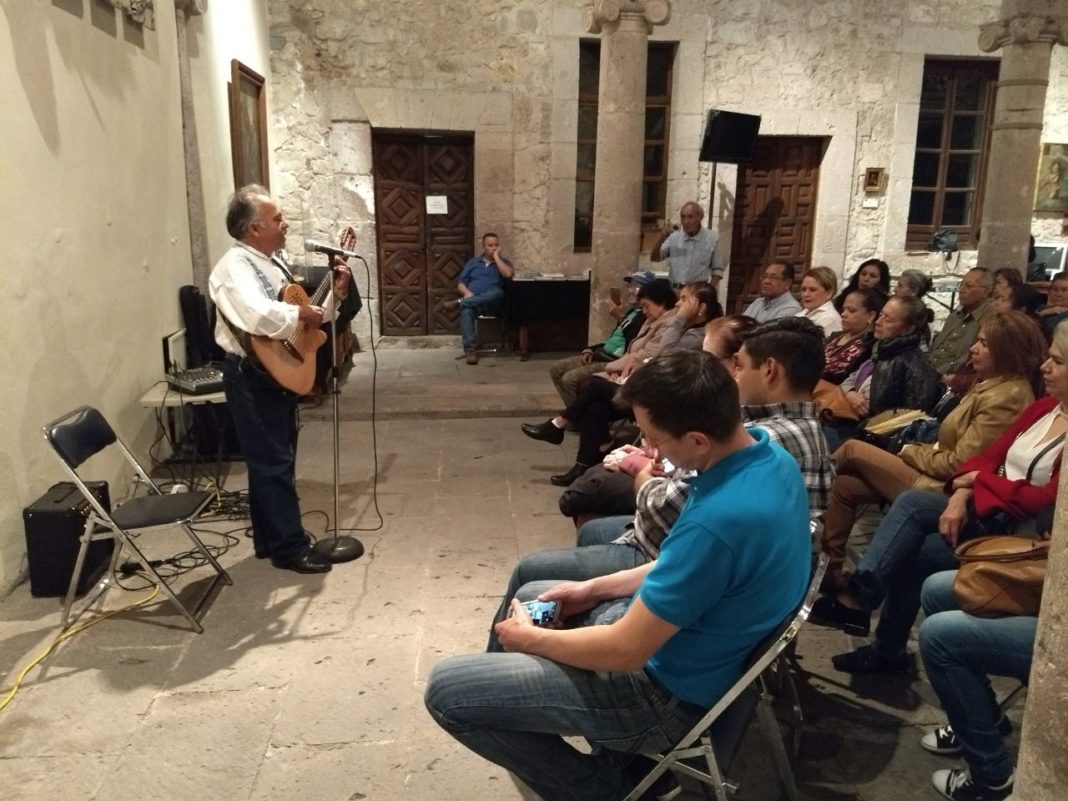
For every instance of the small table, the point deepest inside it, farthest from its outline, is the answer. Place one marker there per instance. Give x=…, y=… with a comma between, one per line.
x=162, y=396
x=546, y=296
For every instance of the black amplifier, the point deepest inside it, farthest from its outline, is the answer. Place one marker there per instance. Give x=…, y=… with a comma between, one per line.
x=54, y=525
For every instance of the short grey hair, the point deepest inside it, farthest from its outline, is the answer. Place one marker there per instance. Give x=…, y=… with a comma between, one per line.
x=916, y=280
x=241, y=209
x=986, y=278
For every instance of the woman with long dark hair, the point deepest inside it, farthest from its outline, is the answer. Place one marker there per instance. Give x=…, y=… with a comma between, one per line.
x=871, y=274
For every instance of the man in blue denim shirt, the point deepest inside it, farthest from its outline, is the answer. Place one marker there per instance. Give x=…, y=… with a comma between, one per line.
x=732, y=569
x=481, y=287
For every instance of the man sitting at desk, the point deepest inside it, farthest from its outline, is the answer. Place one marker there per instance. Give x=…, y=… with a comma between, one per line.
x=481, y=286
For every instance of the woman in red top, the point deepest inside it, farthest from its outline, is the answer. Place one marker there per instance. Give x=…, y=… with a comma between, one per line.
x=1017, y=475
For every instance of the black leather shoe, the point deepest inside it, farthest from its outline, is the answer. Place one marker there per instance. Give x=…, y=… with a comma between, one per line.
x=828, y=611
x=308, y=562
x=568, y=478
x=546, y=432
x=866, y=660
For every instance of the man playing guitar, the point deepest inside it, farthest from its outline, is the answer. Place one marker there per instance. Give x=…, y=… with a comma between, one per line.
x=246, y=287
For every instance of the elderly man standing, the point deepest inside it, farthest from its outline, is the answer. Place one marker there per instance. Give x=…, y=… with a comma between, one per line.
x=244, y=286
x=775, y=299
x=949, y=350
x=692, y=251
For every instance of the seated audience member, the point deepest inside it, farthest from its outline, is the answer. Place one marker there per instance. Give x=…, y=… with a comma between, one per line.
x=818, y=286
x=775, y=372
x=775, y=299
x=959, y=652
x=949, y=348
x=1019, y=297
x=1056, y=308
x=1006, y=277
x=481, y=288
x=1006, y=358
x=594, y=409
x=1017, y=476
x=845, y=352
x=660, y=329
x=871, y=274
x=913, y=284
x=897, y=376
x=567, y=373
x=734, y=567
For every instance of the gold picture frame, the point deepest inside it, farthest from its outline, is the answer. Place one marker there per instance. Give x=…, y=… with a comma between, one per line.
x=1051, y=188
x=248, y=126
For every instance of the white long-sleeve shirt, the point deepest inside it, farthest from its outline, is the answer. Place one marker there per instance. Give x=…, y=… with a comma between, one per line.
x=244, y=287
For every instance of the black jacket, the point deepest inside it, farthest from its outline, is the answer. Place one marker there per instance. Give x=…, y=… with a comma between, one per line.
x=630, y=330
x=903, y=378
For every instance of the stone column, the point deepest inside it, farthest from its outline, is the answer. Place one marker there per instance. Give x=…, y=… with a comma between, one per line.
x=1042, y=768
x=625, y=26
x=194, y=186
x=1026, y=34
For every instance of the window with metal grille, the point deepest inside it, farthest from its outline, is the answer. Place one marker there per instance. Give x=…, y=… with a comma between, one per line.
x=658, y=76
x=952, y=142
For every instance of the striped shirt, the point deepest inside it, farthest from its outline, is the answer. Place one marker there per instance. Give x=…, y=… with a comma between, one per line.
x=692, y=258
x=795, y=426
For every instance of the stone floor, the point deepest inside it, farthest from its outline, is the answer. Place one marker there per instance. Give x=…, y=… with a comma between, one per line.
x=310, y=687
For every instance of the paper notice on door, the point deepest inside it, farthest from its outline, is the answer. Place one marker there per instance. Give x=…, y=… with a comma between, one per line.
x=437, y=204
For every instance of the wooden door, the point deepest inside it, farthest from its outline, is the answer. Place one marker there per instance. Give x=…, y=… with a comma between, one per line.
x=775, y=211
x=420, y=255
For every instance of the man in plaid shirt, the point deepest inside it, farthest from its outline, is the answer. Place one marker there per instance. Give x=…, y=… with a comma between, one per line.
x=776, y=370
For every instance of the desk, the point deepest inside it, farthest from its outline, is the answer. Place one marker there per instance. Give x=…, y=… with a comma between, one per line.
x=534, y=297
x=212, y=419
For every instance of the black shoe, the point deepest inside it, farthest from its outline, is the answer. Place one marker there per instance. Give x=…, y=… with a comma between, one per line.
x=308, y=562
x=568, y=478
x=828, y=611
x=866, y=660
x=958, y=785
x=943, y=740
x=664, y=788
x=546, y=432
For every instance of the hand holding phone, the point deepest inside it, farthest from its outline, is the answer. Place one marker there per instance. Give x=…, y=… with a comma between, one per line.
x=542, y=613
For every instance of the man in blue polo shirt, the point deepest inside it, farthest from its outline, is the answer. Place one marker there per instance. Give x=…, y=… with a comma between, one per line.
x=481, y=288
x=731, y=570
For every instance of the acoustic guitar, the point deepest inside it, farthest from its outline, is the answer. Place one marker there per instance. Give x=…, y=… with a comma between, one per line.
x=291, y=361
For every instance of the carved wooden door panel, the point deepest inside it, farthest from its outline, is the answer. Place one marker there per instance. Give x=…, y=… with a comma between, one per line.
x=775, y=211
x=420, y=255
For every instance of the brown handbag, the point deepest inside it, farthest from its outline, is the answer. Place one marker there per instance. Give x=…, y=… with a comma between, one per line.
x=832, y=403
x=1001, y=575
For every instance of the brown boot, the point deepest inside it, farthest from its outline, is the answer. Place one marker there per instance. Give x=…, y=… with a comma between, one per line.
x=472, y=357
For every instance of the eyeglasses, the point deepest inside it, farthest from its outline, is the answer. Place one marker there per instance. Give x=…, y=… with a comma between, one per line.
x=773, y=277
x=651, y=445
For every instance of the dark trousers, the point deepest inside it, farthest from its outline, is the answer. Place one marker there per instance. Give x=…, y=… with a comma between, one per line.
x=593, y=412
x=265, y=418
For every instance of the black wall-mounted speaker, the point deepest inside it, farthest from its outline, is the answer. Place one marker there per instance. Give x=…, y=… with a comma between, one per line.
x=729, y=137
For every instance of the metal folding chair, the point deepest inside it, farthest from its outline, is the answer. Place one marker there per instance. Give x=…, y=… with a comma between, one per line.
x=81, y=434
x=718, y=735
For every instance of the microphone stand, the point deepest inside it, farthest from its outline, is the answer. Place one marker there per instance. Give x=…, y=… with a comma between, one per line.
x=340, y=547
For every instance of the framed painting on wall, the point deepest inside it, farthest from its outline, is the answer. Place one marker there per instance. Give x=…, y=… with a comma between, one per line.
x=248, y=126
x=1051, y=189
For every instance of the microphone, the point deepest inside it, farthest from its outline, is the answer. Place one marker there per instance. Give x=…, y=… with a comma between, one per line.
x=330, y=250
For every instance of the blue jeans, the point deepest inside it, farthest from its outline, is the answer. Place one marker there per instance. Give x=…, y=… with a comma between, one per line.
x=959, y=651
x=488, y=302
x=514, y=710
x=538, y=571
x=602, y=530
x=265, y=421
x=905, y=550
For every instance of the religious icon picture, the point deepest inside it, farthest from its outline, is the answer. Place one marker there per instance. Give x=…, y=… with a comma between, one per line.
x=248, y=126
x=1051, y=189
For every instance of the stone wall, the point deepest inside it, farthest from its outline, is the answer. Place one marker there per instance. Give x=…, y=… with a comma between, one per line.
x=846, y=70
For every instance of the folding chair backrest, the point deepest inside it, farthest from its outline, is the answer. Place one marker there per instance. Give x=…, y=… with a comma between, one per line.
x=79, y=435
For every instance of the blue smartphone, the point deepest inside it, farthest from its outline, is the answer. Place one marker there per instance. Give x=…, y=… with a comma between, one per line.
x=542, y=612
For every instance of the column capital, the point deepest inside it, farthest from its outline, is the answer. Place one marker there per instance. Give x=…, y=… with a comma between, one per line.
x=1023, y=29
x=608, y=13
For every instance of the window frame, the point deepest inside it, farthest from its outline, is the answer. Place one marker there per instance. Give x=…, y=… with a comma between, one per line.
x=648, y=219
x=918, y=235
